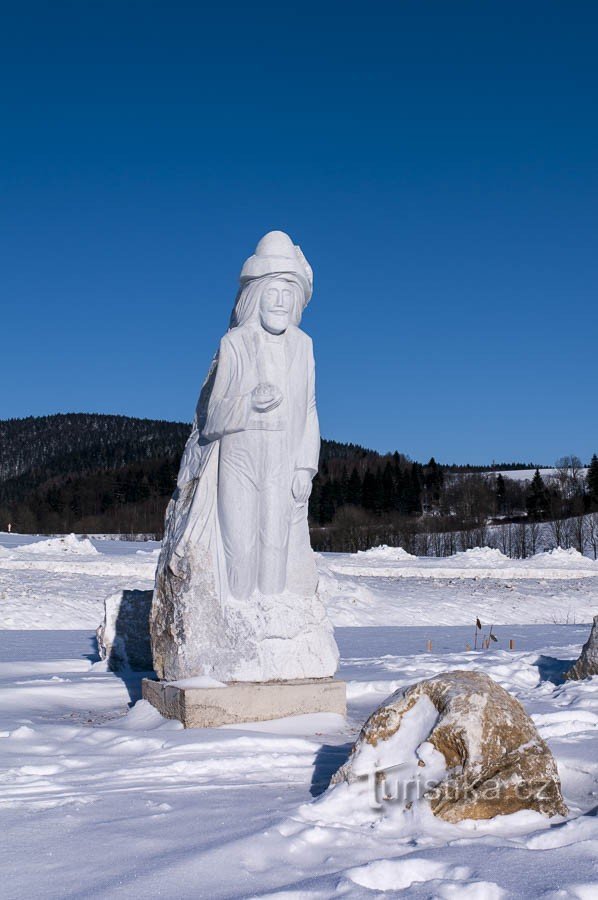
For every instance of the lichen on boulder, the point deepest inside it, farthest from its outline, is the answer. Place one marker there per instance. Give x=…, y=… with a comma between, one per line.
x=471, y=743
x=587, y=664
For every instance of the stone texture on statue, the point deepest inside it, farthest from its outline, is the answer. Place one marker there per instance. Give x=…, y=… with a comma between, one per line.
x=236, y=585
x=587, y=664
x=124, y=636
x=469, y=742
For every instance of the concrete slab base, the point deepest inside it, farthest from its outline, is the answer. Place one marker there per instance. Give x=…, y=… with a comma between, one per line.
x=240, y=701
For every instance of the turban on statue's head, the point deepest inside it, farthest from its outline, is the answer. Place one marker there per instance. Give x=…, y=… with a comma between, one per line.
x=277, y=255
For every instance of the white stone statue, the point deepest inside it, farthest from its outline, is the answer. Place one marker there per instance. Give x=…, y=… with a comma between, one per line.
x=235, y=595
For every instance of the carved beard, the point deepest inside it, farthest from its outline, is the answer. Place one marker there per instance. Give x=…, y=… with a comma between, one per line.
x=246, y=307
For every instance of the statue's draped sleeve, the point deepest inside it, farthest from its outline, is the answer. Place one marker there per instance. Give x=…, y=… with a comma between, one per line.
x=216, y=413
x=226, y=412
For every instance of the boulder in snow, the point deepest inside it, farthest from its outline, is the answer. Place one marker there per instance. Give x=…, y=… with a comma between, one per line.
x=124, y=635
x=587, y=664
x=467, y=741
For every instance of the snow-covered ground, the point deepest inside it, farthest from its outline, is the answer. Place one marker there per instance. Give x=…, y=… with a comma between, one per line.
x=101, y=797
x=386, y=585
x=62, y=583
x=528, y=474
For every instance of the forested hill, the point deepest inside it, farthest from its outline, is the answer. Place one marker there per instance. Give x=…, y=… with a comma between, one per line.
x=103, y=473
x=75, y=443
x=98, y=473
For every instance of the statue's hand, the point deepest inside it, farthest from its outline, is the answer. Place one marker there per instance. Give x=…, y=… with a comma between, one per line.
x=301, y=486
x=265, y=397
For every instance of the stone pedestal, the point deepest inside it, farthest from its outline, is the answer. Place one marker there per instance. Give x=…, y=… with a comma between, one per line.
x=245, y=701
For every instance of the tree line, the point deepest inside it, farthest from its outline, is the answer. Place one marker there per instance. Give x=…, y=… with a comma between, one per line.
x=400, y=503
x=115, y=474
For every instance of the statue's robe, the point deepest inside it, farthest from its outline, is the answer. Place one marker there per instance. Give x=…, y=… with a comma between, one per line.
x=197, y=626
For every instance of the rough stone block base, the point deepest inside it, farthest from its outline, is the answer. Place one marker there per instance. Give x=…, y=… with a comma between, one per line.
x=208, y=707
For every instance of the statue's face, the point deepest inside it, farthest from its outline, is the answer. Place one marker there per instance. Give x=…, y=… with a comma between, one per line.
x=276, y=304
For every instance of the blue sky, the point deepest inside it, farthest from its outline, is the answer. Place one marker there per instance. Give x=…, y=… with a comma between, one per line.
x=437, y=161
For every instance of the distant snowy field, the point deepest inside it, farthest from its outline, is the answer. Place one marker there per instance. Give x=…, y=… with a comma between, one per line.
x=101, y=797
x=528, y=474
x=62, y=582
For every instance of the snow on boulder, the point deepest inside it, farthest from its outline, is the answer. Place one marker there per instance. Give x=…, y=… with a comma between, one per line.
x=69, y=543
x=461, y=743
x=587, y=664
x=124, y=636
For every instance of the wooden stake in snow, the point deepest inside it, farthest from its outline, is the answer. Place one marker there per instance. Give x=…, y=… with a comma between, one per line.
x=511, y=644
x=429, y=646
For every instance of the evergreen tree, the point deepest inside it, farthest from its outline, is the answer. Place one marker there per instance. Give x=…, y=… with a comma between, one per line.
x=369, y=491
x=55, y=499
x=433, y=481
x=314, y=499
x=354, y=488
x=76, y=505
x=343, y=492
x=338, y=492
x=500, y=493
x=537, y=499
x=379, y=495
x=414, y=489
x=327, y=503
x=388, y=488
x=402, y=491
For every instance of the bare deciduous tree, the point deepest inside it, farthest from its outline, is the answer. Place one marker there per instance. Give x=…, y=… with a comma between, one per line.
x=570, y=476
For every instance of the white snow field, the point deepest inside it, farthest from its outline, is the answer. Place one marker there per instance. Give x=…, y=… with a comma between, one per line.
x=101, y=797
x=528, y=474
